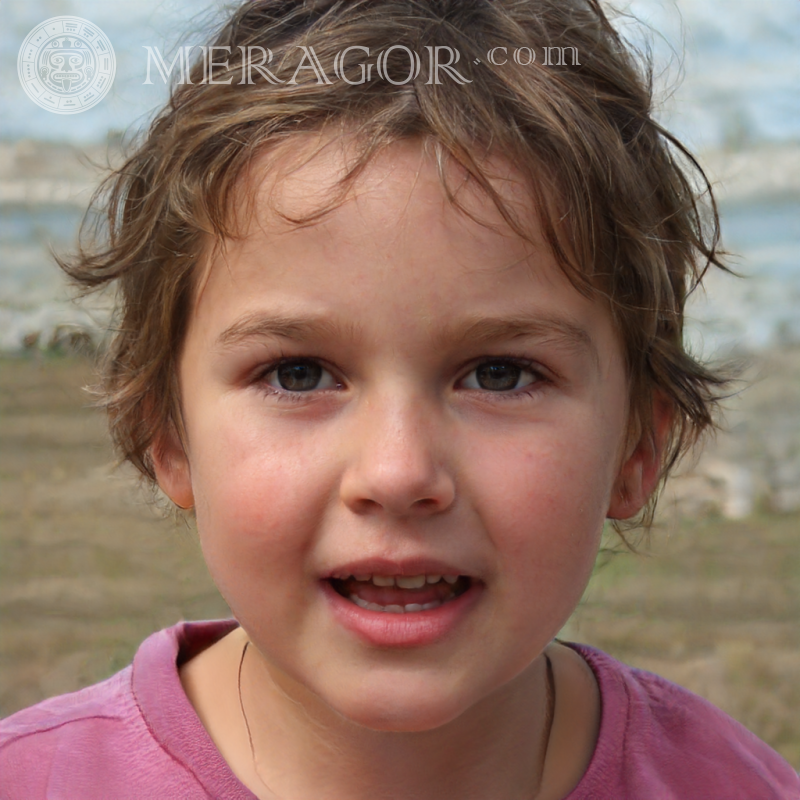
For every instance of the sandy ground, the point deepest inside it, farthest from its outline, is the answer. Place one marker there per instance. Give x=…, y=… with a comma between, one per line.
x=88, y=569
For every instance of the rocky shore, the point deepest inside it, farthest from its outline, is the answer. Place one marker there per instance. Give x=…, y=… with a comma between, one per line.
x=753, y=462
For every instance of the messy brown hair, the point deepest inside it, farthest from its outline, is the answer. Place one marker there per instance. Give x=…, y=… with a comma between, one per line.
x=619, y=197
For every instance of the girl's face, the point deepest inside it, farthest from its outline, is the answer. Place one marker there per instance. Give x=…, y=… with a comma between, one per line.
x=405, y=430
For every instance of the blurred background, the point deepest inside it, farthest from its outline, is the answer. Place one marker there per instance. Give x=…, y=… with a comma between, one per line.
x=88, y=569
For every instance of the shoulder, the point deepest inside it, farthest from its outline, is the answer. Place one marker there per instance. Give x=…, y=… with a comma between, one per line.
x=657, y=739
x=102, y=740
x=61, y=741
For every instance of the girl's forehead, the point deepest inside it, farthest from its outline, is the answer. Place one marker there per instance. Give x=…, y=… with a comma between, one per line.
x=304, y=180
x=294, y=194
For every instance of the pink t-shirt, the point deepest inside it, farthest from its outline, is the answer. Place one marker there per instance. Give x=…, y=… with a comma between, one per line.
x=137, y=736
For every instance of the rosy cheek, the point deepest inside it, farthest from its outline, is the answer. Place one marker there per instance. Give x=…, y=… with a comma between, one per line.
x=262, y=500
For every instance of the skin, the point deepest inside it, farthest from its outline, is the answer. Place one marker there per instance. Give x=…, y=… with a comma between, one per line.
x=399, y=453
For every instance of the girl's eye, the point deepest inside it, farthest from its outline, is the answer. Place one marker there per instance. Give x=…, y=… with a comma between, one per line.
x=299, y=376
x=501, y=376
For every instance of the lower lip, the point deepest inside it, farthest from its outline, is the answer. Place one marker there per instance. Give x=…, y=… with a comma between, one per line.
x=413, y=629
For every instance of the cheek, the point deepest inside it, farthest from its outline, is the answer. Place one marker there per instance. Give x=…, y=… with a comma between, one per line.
x=544, y=502
x=259, y=498
x=256, y=526
x=562, y=481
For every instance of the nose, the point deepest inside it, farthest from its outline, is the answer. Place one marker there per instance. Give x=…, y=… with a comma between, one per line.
x=395, y=466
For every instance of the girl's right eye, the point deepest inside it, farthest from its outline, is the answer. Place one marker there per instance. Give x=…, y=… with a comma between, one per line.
x=299, y=375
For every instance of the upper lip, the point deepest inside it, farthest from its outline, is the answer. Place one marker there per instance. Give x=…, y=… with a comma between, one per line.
x=387, y=566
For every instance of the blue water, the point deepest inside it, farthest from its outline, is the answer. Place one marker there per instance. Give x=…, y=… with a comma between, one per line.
x=130, y=25
x=741, y=68
x=729, y=76
x=759, y=308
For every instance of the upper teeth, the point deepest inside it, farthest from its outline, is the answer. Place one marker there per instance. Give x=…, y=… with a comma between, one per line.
x=403, y=581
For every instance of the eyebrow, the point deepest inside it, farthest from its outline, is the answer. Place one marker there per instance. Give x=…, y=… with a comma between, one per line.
x=541, y=326
x=259, y=326
x=481, y=330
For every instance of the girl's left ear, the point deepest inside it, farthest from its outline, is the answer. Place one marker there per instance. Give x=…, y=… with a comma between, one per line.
x=639, y=474
x=171, y=466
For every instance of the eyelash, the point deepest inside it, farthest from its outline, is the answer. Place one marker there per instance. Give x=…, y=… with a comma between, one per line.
x=285, y=395
x=541, y=379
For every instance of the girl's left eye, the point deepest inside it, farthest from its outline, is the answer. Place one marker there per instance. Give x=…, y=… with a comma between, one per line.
x=501, y=376
x=299, y=375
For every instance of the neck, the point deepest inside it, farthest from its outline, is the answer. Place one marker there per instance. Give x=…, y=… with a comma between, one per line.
x=300, y=748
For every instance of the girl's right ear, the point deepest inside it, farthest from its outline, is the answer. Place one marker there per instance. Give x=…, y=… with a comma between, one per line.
x=171, y=466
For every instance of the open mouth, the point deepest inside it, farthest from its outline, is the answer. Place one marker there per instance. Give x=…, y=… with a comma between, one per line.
x=400, y=594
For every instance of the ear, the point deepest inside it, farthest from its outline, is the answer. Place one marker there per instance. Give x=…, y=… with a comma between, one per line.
x=171, y=466
x=641, y=469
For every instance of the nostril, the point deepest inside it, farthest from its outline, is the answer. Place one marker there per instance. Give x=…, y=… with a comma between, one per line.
x=363, y=505
x=427, y=501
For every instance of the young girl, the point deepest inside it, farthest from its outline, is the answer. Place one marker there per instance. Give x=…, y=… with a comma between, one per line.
x=401, y=291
